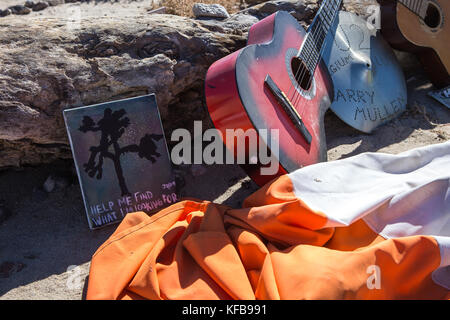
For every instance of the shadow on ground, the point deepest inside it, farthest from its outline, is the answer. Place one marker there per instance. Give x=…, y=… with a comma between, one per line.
x=47, y=233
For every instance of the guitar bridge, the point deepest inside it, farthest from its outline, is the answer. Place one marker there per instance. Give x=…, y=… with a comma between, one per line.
x=284, y=101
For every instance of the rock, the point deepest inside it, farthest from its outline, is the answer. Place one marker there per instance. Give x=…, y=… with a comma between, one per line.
x=305, y=13
x=240, y=21
x=364, y=9
x=47, y=67
x=237, y=24
x=56, y=182
x=40, y=6
x=4, y=13
x=20, y=9
x=209, y=10
x=29, y=4
x=49, y=184
x=303, y=10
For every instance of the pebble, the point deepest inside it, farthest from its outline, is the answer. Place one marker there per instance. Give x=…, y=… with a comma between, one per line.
x=209, y=10
x=49, y=184
x=20, y=9
x=4, y=13
x=40, y=6
x=55, y=183
x=29, y=4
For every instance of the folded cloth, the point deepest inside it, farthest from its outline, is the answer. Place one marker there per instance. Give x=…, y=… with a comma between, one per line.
x=373, y=226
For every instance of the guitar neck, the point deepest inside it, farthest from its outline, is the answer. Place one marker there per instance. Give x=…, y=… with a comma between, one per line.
x=314, y=43
x=419, y=7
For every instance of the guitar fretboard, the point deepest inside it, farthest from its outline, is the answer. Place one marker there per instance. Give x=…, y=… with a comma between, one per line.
x=313, y=45
x=419, y=7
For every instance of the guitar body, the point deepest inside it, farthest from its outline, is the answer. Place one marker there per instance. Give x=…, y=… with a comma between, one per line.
x=237, y=97
x=429, y=40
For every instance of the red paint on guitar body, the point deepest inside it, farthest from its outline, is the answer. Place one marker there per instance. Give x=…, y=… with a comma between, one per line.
x=237, y=97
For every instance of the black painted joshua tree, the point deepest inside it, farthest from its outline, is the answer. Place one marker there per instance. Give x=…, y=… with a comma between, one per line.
x=112, y=126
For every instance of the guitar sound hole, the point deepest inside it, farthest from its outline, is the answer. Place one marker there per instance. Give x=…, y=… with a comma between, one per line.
x=301, y=73
x=433, y=17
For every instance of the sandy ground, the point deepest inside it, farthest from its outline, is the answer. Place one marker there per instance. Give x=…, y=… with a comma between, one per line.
x=46, y=245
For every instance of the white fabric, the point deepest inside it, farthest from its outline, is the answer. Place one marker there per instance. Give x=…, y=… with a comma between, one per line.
x=442, y=275
x=396, y=195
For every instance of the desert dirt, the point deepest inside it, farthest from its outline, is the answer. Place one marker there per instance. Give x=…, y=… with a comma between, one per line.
x=46, y=244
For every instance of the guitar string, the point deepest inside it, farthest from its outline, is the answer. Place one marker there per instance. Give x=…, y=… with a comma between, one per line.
x=309, y=83
x=318, y=54
x=414, y=6
x=320, y=35
x=336, y=3
x=306, y=45
x=324, y=35
x=310, y=51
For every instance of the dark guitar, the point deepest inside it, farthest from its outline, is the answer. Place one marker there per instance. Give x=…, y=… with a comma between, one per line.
x=277, y=81
x=421, y=27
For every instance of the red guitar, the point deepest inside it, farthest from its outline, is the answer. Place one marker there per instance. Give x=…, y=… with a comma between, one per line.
x=276, y=82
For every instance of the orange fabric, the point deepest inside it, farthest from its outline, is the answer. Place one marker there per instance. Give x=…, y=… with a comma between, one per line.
x=273, y=248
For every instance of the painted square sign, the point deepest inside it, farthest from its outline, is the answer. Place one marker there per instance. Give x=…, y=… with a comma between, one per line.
x=121, y=157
